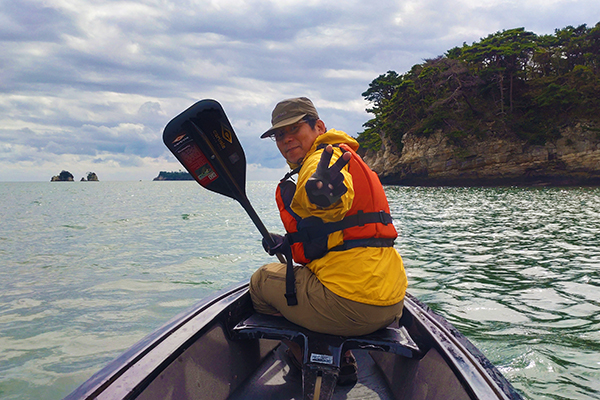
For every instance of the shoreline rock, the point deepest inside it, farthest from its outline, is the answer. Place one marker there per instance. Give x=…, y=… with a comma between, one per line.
x=497, y=160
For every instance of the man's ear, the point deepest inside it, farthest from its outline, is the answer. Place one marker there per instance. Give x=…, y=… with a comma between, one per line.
x=320, y=127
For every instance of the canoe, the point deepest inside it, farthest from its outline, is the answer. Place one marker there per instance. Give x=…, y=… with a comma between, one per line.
x=221, y=349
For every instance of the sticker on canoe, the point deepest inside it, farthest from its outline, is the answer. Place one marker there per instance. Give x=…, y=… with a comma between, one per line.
x=321, y=358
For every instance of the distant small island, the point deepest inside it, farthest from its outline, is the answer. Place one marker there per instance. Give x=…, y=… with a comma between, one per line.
x=66, y=176
x=174, y=176
x=91, y=177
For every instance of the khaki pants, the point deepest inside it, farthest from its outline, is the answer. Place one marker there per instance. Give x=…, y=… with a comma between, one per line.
x=318, y=308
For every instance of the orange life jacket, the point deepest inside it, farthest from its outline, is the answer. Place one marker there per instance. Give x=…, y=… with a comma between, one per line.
x=367, y=224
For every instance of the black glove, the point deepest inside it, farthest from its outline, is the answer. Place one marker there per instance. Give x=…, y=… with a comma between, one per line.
x=277, y=243
x=326, y=185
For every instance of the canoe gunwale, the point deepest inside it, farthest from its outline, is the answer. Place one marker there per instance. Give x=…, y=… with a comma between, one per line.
x=478, y=375
x=103, y=379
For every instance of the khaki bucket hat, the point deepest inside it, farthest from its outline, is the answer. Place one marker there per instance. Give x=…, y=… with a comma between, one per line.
x=290, y=111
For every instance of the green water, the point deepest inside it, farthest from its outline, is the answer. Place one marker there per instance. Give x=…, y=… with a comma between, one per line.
x=516, y=271
x=87, y=269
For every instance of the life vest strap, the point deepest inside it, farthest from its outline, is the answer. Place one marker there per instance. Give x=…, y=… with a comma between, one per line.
x=291, y=173
x=320, y=229
x=371, y=242
x=290, y=282
x=290, y=278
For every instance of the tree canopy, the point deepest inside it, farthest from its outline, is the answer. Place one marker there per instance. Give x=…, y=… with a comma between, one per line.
x=511, y=81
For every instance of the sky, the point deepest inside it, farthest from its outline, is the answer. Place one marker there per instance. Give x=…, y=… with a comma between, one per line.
x=89, y=85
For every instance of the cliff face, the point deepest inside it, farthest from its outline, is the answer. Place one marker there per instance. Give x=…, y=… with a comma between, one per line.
x=497, y=160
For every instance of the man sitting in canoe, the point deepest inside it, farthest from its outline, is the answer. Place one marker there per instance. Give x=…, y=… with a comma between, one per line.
x=351, y=280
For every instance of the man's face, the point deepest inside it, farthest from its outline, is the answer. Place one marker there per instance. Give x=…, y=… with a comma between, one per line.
x=294, y=141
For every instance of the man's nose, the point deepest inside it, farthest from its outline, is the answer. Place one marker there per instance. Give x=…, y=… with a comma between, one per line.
x=287, y=136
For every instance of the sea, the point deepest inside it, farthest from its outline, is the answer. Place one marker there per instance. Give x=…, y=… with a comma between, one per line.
x=87, y=269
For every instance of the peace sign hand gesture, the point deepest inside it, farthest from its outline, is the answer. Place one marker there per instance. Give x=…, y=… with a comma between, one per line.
x=326, y=185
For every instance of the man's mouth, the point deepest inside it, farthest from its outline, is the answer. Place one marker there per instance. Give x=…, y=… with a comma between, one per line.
x=291, y=148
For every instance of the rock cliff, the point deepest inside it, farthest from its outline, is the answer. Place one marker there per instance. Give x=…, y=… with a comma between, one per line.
x=500, y=159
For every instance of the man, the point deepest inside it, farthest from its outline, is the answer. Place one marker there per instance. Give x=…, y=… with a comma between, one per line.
x=350, y=280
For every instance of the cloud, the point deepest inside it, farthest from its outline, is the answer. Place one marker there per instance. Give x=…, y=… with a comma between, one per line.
x=92, y=83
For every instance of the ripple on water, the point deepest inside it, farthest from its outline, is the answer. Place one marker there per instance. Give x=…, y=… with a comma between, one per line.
x=516, y=270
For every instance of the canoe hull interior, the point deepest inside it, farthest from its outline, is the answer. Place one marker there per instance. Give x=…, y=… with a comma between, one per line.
x=212, y=368
x=428, y=378
x=197, y=356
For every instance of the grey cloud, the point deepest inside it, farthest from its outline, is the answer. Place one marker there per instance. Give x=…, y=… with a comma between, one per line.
x=103, y=80
x=32, y=20
x=124, y=160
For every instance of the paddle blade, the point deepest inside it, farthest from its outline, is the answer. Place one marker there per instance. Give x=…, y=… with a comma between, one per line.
x=203, y=141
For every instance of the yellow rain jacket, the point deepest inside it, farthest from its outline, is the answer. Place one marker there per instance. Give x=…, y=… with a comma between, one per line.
x=369, y=275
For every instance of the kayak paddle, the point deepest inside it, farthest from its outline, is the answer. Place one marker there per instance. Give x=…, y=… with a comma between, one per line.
x=203, y=141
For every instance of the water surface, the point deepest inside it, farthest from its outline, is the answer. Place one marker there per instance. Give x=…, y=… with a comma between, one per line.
x=89, y=268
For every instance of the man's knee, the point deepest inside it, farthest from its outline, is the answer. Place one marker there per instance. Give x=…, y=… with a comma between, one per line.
x=256, y=283
x=261, y=275
x=255, y=280
x=259, y=289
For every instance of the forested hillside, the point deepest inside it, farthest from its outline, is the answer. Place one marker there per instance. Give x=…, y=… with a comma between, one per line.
x=512, y=81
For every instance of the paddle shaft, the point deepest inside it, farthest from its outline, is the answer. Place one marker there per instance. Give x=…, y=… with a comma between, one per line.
x=237, y=191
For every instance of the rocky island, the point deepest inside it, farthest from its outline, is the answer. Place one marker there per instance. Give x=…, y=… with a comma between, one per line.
x=513, y=109
x=66, y=176
x=91, y=177
x=174, y=176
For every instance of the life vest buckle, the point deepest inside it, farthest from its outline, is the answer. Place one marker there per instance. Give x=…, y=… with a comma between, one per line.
x=291, y=298
x=384, y=217
x=360, y=220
